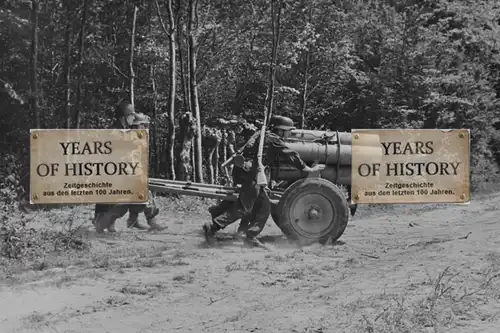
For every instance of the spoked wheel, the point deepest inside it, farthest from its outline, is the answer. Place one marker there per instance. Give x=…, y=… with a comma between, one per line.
x=312, y=210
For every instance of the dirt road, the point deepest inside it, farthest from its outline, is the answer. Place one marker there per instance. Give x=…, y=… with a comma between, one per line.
x=411, y=269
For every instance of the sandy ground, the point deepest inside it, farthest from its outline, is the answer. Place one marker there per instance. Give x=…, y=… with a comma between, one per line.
x=405, y=269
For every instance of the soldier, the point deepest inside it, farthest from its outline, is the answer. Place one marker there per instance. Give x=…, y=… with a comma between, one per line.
x=106, y=215
x=150, y=210
x=215, y=210
x=218, y=209
x=253, y=198
x=124, y=117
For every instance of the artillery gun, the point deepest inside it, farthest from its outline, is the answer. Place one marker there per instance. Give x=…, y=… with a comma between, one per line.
x=306, y=208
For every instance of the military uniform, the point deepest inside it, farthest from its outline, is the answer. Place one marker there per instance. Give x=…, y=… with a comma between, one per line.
x=149, y=209
x=150, y=212
x=124, y=114
x=106, y=215
x=253, y=201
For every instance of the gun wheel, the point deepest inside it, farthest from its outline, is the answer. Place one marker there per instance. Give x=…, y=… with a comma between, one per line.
x=312, y=210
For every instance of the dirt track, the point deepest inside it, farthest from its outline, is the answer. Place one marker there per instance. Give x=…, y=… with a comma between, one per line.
x=410, y=270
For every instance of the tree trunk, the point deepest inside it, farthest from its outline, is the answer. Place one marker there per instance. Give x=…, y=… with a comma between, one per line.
x=171, y=96
x=187, y=85
x=212, y=141
x=193, y=9
x=86, y=123
x=131, y=54
x=231, y=141
x=216, y=161
x=210, y=164
x=67, y=66
x=187, y=126
x=114, y=39
x=272, y=72
x=224, y=156
x=171, y=33
x=81, y=49
x=224, y=146
x=231, y=150
x=193, y=153
x=154, y=160
x=34, y=65
x=184, y=81
x=303, y=101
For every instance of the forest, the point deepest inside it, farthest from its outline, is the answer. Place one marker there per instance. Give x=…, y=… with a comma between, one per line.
x=197, y=67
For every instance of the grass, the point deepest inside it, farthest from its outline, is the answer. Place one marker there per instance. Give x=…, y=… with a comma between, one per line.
x=450, y=299
x=316, y=276
x=53, y=238
x=184, y=278
x=149, y=289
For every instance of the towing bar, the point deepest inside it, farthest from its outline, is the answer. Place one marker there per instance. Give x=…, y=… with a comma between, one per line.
x=199, y=189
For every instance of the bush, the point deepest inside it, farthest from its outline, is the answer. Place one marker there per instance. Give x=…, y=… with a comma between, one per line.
x=18, y=241
x=485, y=162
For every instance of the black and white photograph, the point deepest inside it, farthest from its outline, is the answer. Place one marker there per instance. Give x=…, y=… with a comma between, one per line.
x=265, y=166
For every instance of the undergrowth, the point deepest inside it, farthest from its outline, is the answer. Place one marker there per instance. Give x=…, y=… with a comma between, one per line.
x=20, y=241
x=448, y=300
x=23, y=241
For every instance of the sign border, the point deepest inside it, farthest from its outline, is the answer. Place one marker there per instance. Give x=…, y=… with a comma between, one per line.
x=467, y=198
x=146, y=195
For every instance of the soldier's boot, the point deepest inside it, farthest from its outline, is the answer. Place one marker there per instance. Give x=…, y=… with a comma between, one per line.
x=111, y=227
x=133, y=222
x=109, y=222
x=245, y=224
x=153, y=226
x=154, y=212
x=99, y=223
x=240, y=234
x=253, y=241
x=255, y=229
x=151, y=213
x=233, y=211
x=353, y=209
x=209, y=230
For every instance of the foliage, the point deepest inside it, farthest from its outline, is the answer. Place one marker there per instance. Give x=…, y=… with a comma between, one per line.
x=18, y=240
x=367, y=64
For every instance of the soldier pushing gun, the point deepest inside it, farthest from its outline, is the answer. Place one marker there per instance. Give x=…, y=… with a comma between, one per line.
x=253, y=201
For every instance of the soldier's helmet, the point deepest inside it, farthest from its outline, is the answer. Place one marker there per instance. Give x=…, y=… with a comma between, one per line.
x=140, y=120
x=125, y=110
x=281, y=122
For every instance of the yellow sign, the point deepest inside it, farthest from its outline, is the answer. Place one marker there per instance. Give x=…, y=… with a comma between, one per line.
x=416, y=166
x=88, y=166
